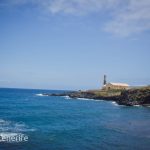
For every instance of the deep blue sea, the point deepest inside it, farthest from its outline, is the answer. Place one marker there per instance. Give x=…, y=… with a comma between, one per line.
x=60, y=123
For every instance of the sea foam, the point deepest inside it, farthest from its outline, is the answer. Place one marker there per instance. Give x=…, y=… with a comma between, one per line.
x=40, y=94
x=66, y=97
x=114, y=103
x=11, y=126
x=88, y=99
x=137, y=105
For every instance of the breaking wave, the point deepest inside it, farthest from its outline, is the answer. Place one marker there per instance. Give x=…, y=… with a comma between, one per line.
x=40, y=94
x=84, y=99
x=137, y=105
x=11, y=127
x=66, y=97
x=88, y=99
x=114, y=103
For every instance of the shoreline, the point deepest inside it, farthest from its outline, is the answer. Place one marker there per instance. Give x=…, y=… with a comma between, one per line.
x=130, y=97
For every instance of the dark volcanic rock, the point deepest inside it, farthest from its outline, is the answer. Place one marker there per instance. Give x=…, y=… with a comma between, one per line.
x=58, y=94
x=82, y=95
x=135, y=97
x=140, y=96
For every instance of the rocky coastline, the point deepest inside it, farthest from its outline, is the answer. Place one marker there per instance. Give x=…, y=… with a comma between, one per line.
x=130, y=97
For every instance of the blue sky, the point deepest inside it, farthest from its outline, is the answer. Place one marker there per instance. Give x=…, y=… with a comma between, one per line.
x=63, y=44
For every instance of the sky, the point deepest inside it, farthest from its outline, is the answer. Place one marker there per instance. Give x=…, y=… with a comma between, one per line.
x=71, y=44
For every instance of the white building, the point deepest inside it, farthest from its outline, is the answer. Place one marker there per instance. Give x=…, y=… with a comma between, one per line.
x=115, y=86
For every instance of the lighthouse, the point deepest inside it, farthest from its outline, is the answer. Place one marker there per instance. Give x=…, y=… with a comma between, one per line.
x=104, y=82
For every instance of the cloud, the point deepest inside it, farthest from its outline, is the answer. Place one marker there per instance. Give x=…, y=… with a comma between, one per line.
x=80, y=7
x=131, y=19
x=128, y=17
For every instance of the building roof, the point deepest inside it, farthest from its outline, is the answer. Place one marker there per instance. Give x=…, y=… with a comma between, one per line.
x=119, y=84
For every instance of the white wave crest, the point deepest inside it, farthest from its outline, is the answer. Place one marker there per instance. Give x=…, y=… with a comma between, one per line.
x=84, y=99
x=114, y=103
x=88, y=99
x=137, y=105
x=23, y=127
x=40, y=94
x=66, y=97
x=10, y=126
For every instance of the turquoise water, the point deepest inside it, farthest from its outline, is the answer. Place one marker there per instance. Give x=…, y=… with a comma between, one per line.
x=59, y=123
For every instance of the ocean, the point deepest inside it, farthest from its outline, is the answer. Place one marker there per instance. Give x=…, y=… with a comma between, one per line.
x=61, y=123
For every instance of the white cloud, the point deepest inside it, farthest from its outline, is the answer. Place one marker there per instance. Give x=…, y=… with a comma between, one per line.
x=79, y=7
x=127, y=16
x=131, y=19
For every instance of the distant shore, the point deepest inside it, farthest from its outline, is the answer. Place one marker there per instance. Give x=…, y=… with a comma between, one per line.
x=130, y=97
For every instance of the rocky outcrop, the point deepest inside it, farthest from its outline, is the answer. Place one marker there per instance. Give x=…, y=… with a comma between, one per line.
x=137, y=96
x=132, y=97
x=92, y=95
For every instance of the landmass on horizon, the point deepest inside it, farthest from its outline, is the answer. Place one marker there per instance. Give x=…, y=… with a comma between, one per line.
x=121, y=93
